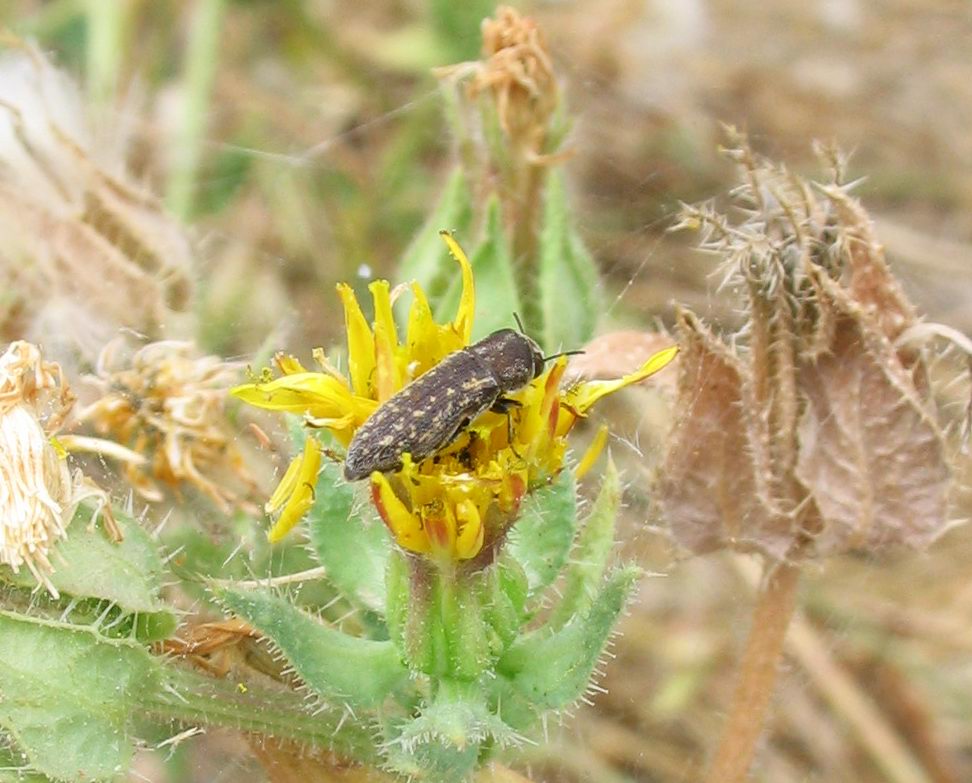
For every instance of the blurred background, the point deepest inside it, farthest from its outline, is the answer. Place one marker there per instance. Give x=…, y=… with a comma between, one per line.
x=302, y=143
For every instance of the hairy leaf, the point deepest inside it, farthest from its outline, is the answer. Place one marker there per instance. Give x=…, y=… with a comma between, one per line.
x=426, y=260
x=88, y=565
x=553, y=670
x=353, y=549
x=541, y=539
x=361, y=672
x=871, y=453
x=67, y=695
x=590, y=555
x=706, y=489
x=568, y=282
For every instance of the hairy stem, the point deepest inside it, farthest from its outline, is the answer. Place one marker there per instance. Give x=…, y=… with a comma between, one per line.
x=195, y=699
x=757, y=676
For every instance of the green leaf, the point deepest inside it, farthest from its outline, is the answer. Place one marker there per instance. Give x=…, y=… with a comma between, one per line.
x=88, y=565
x=542, y=537
x=427, y=260
x=362, y=672
x=15, y=767
x=353, y=549
x=67, y=695
x=568, y=282
x=553, y=670
x=497, y=296
x=442, y=742
x=504, y=599
x=458, y=25
x=590, y=555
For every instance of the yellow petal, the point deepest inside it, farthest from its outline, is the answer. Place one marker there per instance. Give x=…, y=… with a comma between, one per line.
x=308, y=392
x=439, y=523
x=403, y=524
x=361, y=345
x=422, y=338
x=288, y=364
x=298, y=486
x=388, y=376
x=593, y=452
x=324, y=363
x=539, y=418
x=581, y=397
x=467, y=301
x=471, y=531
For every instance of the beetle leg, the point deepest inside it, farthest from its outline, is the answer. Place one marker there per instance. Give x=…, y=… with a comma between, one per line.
x=504, y=404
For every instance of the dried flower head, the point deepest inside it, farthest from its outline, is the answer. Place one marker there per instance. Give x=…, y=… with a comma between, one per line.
x=80, y=236
x=38, y=494
x=166, y=405
x=516, y=71
x=459, y=502
x=813, y=429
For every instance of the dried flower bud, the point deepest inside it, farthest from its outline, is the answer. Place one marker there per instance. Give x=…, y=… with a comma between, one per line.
x=813, y=430
x=517, y=72
x=37, y=492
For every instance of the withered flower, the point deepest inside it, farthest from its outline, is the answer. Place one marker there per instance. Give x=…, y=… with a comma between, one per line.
x=81, y=236
x=812, y=430
x=165, y=404
x=38, y=493
x=517, y=73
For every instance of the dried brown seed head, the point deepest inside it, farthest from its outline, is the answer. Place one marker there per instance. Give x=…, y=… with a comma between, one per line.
x=814, y=429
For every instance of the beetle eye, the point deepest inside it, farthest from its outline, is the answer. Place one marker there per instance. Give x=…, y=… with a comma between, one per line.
x=538, y=364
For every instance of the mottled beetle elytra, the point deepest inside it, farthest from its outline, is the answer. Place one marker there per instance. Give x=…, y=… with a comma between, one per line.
x=426, y=415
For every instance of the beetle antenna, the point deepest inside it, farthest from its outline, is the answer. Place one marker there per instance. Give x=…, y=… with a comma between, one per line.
x=519, y=323
x=562, y=353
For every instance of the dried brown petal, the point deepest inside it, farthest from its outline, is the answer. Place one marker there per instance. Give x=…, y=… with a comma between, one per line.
x=167, y=403
x=871, y=453
x=871, y=283
x=518, y=72
x=707, y=482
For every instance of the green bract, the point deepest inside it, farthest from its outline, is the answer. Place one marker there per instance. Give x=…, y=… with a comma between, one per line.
x=457, y=666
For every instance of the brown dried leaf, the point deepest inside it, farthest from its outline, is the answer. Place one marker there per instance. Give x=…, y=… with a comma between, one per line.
x=706, y=487
x=871, y=453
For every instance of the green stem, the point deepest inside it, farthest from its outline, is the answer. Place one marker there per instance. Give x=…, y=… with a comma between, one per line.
x=192, y=698
x=200, y=70
x=107, y=24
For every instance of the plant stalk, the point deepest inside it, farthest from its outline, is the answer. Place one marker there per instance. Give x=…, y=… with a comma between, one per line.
x=757, y=676
x=200, y=70
x=107, y=26
x=195, y=699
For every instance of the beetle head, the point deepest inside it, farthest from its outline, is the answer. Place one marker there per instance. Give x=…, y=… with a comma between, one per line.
x=513, y=358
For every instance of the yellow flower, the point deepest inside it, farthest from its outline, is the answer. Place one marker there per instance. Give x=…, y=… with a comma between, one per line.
x=459, y=502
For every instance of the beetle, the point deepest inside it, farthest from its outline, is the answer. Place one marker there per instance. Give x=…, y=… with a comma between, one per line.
x=428, y=414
